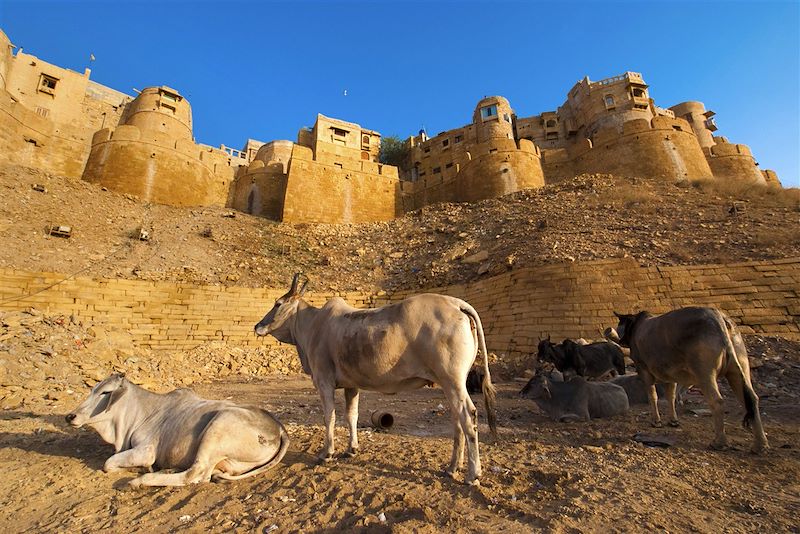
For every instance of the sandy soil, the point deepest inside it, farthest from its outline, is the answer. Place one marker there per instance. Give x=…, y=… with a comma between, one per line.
x=578, y=477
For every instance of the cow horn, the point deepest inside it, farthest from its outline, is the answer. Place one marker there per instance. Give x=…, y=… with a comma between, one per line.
x=294, y=283
x=303, y=287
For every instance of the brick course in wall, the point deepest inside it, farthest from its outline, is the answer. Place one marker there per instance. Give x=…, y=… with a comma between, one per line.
x=517, y=308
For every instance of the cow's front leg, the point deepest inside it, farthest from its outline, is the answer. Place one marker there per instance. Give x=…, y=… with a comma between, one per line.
x=351, y=406
x=669, y=392
x=329, y=412
x=141, y=456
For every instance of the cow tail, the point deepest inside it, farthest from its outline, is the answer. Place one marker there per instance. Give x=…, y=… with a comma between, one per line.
x=487, y=388
x=267, y=466
x=748, y=394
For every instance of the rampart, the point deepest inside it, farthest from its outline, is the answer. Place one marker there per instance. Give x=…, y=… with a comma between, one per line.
x=491, y=169
x=517, y=308
x=662, y=148
x=730, y=161
x=152, y=155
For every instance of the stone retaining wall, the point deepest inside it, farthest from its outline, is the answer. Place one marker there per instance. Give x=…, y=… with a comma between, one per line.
x=517, y=308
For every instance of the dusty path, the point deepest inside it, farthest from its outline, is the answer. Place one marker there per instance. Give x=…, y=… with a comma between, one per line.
x=541, y=475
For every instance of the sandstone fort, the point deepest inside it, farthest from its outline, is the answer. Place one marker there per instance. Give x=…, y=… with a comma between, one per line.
x=61, y=121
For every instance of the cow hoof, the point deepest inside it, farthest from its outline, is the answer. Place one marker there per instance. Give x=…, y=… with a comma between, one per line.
x=674, y=424
x=657, y=424
x=714, y=446
x=450, y=473
x=350, y=453
x=324, y=458
x=475, y=482
x=136, y=483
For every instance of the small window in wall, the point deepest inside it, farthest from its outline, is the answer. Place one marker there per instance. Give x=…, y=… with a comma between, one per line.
x=458, y=139
x=365, y=155
x=437, y=170
x=639, y=93
x=506, y=117
x=551, y=123
x=446, y=143
x=422, y=174
x=365, y=140
x=448, y=165
x=426, y=149
x=47, y=84
x=492, y=150
x=609, y=102
x=338, y=165
x=169, y=96
x=44, y=112
x=338, y=132
x=488, y=112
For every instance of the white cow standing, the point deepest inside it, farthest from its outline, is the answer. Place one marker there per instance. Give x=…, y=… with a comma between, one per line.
x=423, y=339
x=179, y=430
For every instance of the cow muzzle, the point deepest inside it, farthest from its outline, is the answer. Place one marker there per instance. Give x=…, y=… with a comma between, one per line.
x=70, y=417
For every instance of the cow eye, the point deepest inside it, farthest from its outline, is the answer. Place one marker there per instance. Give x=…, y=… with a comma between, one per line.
x=105, y=393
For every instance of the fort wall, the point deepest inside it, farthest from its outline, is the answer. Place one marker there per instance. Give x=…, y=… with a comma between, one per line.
x=152, y=155
x=729, y=161
x=357, y=191
x=517, y=308
x=491, y=169
x=662, y=148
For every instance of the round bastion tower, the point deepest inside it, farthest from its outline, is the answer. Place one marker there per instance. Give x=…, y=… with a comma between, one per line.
x=492, y=119
x=152, y=154
x=701, y=121
x=162, y=110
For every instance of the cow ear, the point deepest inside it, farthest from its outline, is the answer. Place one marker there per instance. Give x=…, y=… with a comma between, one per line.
x=303, y=288
x=618, y=315
x=116, y=395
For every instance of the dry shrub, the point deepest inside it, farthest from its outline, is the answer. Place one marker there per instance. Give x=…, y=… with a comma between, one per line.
x=745, y=190
x=776, y=237
x=626, y=195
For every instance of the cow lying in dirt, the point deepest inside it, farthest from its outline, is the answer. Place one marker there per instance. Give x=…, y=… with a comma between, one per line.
x=575, y=399
x=693, y=346
x=590, y=360
x=403, y=346
x=637, y=390
x=179, y=430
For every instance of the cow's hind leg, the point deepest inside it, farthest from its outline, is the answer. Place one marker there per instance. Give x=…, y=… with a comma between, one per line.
x=715, y=403
x=351, y=406
x=738, y=386
x=669, y=393
x=462, y=405
x=458, y=445
x=200, y=471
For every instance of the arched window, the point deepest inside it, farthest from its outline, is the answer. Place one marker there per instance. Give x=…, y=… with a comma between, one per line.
x=609, y=101
x=365, y=140
x=551, y=123
x=365, y=155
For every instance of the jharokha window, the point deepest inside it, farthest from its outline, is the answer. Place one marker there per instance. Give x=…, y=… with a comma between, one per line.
x=47, y=84
x=488, y=112
x=609, y=101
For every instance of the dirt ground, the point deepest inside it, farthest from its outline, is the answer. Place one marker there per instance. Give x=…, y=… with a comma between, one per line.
x=540, y=475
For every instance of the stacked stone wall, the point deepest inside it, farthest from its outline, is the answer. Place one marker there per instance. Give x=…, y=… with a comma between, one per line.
x=517, y=308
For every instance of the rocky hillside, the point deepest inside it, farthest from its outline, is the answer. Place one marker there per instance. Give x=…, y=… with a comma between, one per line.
x=589, y=217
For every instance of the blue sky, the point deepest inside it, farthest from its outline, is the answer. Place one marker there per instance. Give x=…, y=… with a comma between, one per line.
x=264, y=69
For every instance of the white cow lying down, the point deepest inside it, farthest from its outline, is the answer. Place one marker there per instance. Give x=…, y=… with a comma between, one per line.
x=179, y=430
